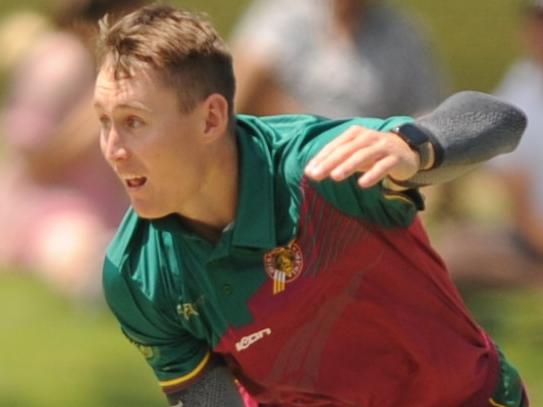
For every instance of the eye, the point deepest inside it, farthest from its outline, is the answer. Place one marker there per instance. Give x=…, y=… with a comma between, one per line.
x=105, y=122
x=133, y=122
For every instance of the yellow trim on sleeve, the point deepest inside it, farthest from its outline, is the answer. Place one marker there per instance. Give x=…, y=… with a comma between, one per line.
x=398, y=197
x=188, y=376
x=493, y=403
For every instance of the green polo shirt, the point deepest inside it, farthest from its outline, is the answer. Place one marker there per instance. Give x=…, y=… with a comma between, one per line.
x=178, y=297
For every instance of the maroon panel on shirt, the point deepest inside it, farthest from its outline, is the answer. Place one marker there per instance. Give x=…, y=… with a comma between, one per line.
x=372, y=320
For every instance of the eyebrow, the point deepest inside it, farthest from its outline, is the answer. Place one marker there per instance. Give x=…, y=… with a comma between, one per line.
x=122, y=106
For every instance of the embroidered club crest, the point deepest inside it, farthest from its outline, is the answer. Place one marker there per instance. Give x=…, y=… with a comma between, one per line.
x=284, y=265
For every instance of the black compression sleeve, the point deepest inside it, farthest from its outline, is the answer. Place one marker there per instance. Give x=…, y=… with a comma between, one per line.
x=215, y=389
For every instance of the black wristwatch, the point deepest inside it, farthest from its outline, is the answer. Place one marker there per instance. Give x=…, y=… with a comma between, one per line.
x=419, y=141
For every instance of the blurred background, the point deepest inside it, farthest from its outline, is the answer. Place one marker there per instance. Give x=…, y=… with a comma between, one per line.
x=59, y=345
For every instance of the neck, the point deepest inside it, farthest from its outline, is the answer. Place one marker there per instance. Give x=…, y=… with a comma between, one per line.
x=215, y=206
x=207, y=232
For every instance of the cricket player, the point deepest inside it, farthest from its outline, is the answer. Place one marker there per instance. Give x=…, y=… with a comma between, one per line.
x=283, y=254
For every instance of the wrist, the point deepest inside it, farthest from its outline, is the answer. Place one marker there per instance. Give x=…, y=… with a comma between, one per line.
x=394, y=185
x=419, y=142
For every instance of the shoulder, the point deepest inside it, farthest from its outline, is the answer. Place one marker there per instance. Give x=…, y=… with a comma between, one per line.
x=121, y=250
x=288, y=142
x=286, y=127
x=278, y=127
x=303, y=132
x=283, y=137
x=129, y=233
x=134, y=259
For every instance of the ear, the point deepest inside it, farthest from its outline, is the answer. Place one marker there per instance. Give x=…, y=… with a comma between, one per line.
x=216, y=116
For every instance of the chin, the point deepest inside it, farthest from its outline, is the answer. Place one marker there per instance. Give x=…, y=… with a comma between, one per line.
x=147, y=212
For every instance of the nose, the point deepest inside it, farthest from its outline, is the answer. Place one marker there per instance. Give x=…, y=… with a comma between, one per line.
x=113, y=147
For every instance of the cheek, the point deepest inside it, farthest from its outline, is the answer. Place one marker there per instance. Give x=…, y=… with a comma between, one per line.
x=103, y=145
x=180, y=167
x=162, y=159
x=103, y=150
x=173, y=147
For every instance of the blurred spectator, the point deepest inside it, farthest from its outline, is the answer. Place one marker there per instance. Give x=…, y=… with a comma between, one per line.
x=17, y=33
x=332, y=57
x=59, y=202
x=511, y=253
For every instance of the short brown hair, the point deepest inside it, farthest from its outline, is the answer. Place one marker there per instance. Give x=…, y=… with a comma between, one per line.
x=182, y=46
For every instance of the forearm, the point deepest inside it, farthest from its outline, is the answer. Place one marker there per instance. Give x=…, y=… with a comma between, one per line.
x=466, y=130
x=215, y=389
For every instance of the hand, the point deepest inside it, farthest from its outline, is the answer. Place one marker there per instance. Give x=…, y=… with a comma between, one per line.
x=374, y=154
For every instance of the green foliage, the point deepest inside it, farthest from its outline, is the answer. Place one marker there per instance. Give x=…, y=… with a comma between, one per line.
x=54, y=353
x=476, y=40
x=514, y=319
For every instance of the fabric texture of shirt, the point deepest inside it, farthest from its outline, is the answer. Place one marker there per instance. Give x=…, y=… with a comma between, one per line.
x=318, y=294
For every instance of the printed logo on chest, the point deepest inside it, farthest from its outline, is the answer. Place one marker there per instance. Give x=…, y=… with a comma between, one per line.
x=283, y=265
x=247, y=341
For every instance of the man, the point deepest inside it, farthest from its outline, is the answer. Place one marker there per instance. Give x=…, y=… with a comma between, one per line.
x=283, y=251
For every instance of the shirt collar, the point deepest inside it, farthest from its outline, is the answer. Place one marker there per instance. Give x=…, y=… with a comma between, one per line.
x=254, y=225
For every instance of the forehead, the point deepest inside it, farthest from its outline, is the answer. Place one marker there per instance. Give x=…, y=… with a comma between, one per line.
x=141, y=85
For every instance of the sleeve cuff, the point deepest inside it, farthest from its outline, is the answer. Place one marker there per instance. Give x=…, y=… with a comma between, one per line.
x=182, y=382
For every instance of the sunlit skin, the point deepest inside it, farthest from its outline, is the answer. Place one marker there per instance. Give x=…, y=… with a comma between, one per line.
x=169, y=162
x=360, y=150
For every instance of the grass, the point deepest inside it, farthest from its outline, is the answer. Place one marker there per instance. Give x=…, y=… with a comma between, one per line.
x=55, y=353
x=514, y=319
x=475, y=40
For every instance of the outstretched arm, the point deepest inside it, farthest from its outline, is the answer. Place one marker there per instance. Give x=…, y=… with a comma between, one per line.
x=466, y=129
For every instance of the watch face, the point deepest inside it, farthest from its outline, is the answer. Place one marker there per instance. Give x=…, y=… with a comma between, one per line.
x=413, y=134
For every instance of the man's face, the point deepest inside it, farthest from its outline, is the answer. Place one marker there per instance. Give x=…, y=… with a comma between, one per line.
x=156, y=150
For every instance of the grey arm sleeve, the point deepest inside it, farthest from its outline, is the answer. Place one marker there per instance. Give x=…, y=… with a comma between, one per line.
x=467, y=129
x=215, y=389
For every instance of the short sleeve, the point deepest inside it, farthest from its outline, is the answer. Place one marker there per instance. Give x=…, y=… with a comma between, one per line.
x=377, y=204
x=176, y=357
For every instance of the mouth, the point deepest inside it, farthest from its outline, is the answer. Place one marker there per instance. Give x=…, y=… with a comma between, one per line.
x=134, y=182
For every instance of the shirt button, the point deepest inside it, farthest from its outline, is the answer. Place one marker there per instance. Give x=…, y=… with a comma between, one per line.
x=227, y=289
